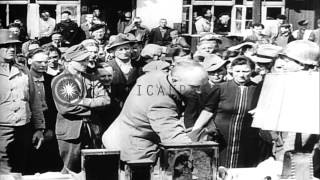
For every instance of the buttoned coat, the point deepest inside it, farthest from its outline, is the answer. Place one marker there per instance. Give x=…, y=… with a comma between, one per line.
x=155, y=37
x=71, y=116
x=150, y=115
x=120, y=86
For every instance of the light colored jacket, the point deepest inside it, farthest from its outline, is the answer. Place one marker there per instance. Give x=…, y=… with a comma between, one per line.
x=19, y=103
x=202, y=25
x=150, y=115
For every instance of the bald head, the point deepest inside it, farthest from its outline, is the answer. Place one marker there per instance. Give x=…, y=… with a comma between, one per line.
x=188, y=77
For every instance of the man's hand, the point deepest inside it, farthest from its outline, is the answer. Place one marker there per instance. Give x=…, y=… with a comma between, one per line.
x=37, y=138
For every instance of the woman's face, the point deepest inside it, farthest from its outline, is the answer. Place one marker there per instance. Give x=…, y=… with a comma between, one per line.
x=218, y=75
x=241, y=73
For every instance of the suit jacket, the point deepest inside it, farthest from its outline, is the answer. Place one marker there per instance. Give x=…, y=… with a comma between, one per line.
x=156, y=37
x=70, y=32
x=120, y=86
x=150, y=115
x=71, y=116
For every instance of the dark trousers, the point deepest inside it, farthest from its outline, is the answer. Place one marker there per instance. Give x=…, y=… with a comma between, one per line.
x=46, y=158
x=70, y=150
x=15, y=143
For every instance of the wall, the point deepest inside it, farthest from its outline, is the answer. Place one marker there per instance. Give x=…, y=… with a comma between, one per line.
x=303, y=9
x=151, y=11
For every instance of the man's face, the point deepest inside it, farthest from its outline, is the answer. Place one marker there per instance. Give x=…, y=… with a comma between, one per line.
x=257, y=30
x=39, y=62
x=53, y=59
x=136, y=50
x=89, y=18
x=123, y=52
x=173, y=34
x=163, y=23
x=207, y=47
x=99, y=34
x=284, y=30
x=105, y=75
x=56, y=38
x=45, y=16
x=218, y=75
x=15, y=30
x=65, y=16
x=280, y=21
x=8, y=52
x=97, y=12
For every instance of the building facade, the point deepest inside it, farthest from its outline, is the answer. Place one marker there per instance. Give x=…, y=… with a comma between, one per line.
x=181, y=14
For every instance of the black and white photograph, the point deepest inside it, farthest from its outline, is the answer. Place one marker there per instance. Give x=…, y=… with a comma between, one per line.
x=159, y=89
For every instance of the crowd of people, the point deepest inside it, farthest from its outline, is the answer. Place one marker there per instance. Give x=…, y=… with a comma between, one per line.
x=79, y=87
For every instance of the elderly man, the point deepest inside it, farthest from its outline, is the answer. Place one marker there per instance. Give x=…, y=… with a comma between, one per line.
x=20, y=109
x=142, y=126
x=125, y=71
x=77, y=96
x=160, y=35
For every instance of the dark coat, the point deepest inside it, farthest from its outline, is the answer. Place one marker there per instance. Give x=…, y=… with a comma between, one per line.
x=71, y=116
x=70, y=32
x=155, y=37
x=151, y=114
x=120, y=86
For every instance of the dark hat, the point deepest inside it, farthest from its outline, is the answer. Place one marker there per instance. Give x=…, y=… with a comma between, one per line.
x=281, y=16
x=265, y=53
x=303, y=22
x=76, y=53
x=95, y=27
x=117, y=40
x=7, y=37
x=285, y=25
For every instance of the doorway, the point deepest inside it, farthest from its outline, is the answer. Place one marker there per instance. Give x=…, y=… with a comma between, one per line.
x=223, y=18
x=3, y=15
x=18, y=11
x=110, y=10
x=50, y=8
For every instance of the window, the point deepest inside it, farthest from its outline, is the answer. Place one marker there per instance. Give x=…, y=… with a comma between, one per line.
x=249, y=17
x=186, y=2
x=185, y=19
x=273, y=12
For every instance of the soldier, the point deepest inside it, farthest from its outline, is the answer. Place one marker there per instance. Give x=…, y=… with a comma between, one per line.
x=77, y=96
x=20, y=109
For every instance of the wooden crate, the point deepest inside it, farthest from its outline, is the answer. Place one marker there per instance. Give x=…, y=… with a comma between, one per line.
x=100, y=164
x=188, y=161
